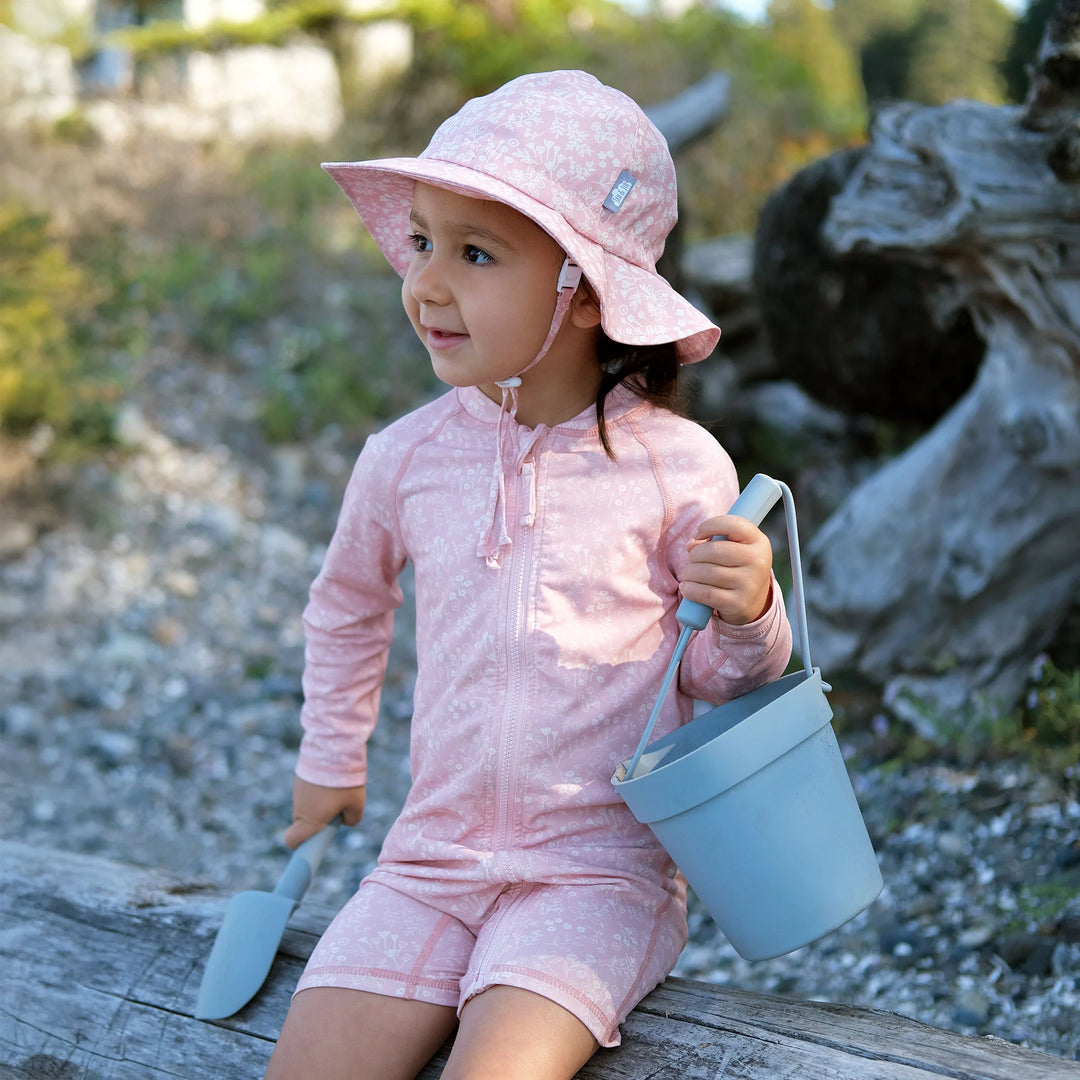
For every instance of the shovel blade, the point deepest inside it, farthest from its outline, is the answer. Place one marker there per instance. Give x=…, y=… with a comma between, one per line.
x=243, y=951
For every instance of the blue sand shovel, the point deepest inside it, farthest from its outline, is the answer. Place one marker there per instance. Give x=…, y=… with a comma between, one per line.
x=248, y=940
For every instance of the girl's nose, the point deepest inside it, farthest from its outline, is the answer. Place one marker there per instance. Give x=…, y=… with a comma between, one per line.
x=426, y=283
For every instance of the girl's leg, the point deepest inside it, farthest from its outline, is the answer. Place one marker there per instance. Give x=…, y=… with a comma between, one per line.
x=511, y=1034
x=338, y=1034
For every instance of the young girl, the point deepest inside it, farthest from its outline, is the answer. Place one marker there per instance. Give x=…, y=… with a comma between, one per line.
x=555, y=510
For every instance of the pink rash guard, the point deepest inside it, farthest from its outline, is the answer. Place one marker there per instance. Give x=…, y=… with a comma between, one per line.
x=536, y=676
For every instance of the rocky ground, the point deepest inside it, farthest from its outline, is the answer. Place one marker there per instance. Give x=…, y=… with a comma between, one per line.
x=149, y=672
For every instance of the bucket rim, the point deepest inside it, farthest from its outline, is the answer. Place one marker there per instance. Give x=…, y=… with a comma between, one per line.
x=731, y=756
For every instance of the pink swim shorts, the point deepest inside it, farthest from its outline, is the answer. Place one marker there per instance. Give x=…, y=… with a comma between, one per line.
x=594, y=948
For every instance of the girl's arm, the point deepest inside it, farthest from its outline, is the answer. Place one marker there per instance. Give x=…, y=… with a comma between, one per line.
x=748, y=641
x=348, y=624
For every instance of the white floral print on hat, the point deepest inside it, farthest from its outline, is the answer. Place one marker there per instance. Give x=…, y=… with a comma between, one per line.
x=585, y=163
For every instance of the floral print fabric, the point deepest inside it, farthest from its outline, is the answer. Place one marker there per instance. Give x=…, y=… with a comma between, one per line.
x=535, y=677
x=595, y=947
x=554, y=145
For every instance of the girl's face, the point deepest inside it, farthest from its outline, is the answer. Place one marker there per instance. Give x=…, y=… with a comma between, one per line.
x=480, y=294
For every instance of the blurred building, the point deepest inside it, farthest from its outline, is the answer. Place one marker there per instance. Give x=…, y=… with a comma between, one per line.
x=60, y=57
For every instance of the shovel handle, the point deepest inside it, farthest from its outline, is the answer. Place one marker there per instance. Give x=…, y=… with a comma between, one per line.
x=305, y=860
x=755, y=501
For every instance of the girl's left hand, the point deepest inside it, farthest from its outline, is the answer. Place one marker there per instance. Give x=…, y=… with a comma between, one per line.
x=732, y=576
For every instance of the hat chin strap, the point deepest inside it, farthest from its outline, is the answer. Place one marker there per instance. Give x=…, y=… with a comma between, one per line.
x=490, y=549
x=569, y=279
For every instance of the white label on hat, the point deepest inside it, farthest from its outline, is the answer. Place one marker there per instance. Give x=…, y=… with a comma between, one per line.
x=617, y=195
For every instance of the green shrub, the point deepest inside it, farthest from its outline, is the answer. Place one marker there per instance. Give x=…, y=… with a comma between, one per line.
x=1045, y=726
x=347, y=358
x=76, y=127
x=50, y=372
x=1051, y=714
x=215, y=290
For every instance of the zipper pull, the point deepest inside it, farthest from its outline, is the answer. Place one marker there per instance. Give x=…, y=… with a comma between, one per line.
x=528, y=479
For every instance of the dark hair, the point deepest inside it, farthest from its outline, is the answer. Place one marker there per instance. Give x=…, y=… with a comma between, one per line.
x=650, y=371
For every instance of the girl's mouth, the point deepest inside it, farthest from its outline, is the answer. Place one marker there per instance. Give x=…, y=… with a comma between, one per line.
x=444, y=339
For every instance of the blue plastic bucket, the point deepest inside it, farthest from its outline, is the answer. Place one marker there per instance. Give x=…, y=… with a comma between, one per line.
x=753, y=802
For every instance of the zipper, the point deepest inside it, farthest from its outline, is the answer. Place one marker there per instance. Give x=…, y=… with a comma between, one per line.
x=516, y=623
x=506, y=781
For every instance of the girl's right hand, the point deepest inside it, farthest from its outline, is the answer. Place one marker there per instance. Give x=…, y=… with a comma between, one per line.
x=315, y=806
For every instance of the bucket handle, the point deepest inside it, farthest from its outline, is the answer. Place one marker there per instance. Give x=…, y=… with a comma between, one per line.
x=755, y=501
x=797, y=590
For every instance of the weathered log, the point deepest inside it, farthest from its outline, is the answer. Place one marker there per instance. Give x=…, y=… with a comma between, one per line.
x=1053, y=99
x=721, y=270
x=694, y=112
x=945, y=574
x=861, y=331
x=102, y=964
x=683, y=120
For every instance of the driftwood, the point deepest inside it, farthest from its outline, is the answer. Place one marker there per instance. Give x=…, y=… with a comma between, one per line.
x=946, y=573
x=691, y=114
x=102, y=963
x=683, y=120
x=862, y=331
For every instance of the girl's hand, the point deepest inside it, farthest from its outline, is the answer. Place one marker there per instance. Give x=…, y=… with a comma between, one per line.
x=315, y=806
x=732, y=576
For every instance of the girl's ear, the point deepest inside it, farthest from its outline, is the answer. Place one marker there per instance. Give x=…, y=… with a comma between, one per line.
x=585, y=307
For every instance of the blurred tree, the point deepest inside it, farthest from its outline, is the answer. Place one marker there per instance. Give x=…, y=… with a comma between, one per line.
x=483, y=43
x=143, y=10
x=805, y=31
x=880, y=33
x=1026, y=36
x=884, y=62
x=929, y=51
x=858, y=21
x=780, y=118
x=956, y=52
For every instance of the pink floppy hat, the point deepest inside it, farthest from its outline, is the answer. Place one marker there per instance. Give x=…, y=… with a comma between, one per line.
x=581, y=160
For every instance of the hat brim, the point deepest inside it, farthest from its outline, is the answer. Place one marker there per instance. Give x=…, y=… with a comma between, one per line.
x=637, y=305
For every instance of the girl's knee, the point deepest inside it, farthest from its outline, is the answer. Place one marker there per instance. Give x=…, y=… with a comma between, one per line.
x=339, y=1034
x=507, y=1032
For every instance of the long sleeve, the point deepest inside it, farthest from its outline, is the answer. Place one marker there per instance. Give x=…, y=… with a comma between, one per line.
x=729, y=661
x=722, y=661
x=536, y=676
x=348, y=623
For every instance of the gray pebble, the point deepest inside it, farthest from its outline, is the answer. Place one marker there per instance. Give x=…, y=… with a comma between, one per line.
x=972, y=1009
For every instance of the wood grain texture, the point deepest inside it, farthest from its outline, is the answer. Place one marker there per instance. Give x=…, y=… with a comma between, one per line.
x=102, y=964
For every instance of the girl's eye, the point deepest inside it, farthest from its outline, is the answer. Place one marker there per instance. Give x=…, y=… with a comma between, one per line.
x=418, y=242
x=477, y=255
